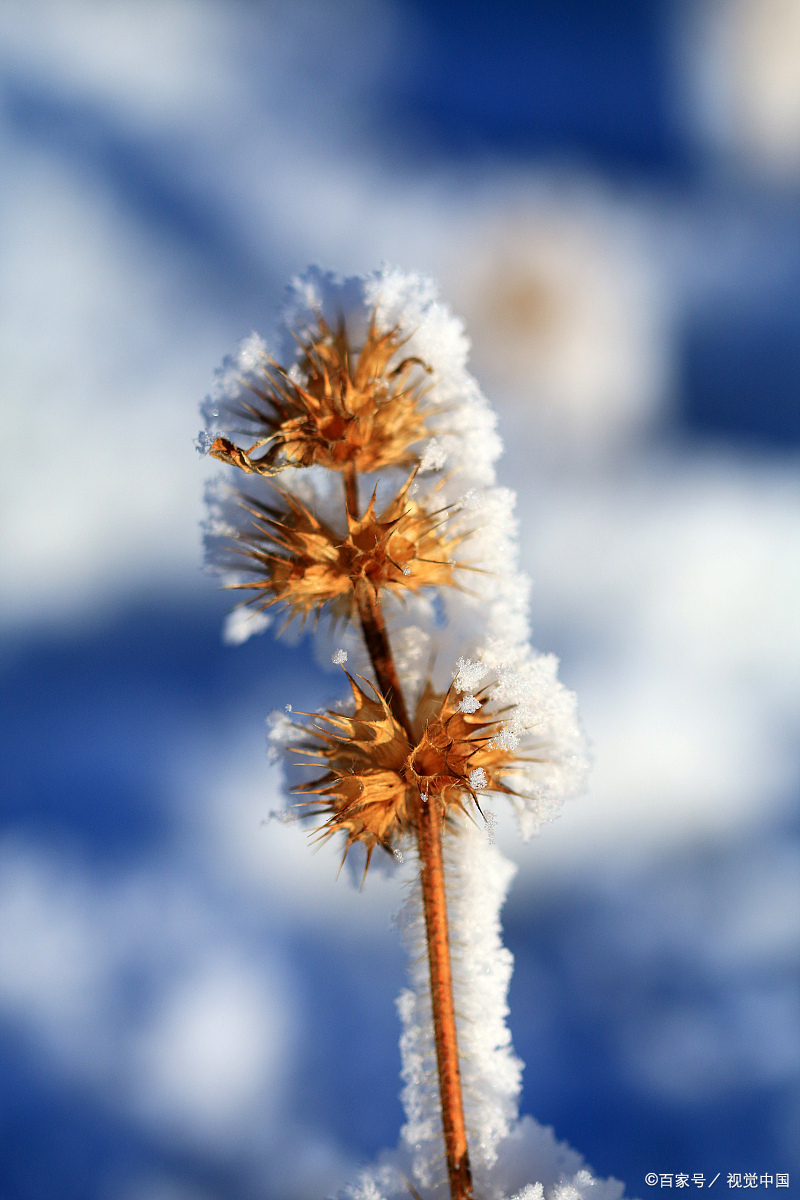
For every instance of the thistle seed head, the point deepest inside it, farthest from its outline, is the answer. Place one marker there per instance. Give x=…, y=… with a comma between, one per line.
x=340, y=406
x=302, y=564
x=375, y=779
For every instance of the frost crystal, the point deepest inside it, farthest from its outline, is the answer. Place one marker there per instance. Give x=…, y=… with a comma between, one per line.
x=468, y=675
x=469, y=704
x=534, y=1191
x=477, y=779
x=231, y=384
x=339, y=658
x=434, y=458
x=241, y=624
x=202, y=442
x=506, y=739
x=280, y=730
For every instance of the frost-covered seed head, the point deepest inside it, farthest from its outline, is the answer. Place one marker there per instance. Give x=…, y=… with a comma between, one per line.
x=299, y=562
x=375, y=777
x=341, y=405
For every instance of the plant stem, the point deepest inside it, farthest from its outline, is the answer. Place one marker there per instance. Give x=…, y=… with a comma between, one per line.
x=429, y=833
x=351, y=490
x=380, y=652
x=429, y=837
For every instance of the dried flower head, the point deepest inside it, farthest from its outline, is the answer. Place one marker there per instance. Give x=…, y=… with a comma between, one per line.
x=376, y=779
x=301, y=563
x=339, y=406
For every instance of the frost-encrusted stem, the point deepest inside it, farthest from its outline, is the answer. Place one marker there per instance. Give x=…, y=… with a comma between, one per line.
x=429, y=833
x=430, y=826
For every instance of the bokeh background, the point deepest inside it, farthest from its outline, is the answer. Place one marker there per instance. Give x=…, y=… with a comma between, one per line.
x=191, y=1006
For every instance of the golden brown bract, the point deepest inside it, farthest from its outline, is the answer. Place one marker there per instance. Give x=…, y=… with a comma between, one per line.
x=302, y=564
x=353, y=408
x=376, y=780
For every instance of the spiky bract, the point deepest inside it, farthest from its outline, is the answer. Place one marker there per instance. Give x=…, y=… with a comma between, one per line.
x=375, y=779
x=302, y=564
x=340, y=407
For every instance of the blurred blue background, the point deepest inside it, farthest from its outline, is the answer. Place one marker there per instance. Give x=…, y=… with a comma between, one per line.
x=191, y=1006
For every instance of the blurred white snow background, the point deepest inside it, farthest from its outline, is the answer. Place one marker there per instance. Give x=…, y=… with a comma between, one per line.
x=742, y=74
x=190, y=1004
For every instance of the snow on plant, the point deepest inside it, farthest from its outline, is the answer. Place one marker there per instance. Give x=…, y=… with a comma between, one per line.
x=368, y=504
